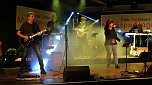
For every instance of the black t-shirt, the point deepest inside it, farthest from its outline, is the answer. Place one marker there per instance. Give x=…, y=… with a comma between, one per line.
x=111, y=37
x=30, y=29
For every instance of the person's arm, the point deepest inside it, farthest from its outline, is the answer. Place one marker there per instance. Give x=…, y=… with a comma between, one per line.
x=21, y=35
x=132, y=29
x=116, y=37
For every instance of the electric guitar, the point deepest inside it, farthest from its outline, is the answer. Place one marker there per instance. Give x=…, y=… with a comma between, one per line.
x=24, y=42
x=81, y=32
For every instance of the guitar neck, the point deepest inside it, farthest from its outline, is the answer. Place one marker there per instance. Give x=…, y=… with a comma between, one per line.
x=89, y=26
x=36, y=34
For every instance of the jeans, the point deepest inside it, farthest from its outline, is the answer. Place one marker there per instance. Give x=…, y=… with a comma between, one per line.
x=111, y=49
x=36, y=48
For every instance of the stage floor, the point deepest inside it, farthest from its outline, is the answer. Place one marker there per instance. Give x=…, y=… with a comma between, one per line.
x=9, y=75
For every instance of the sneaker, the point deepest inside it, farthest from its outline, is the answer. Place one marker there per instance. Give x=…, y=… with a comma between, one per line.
x=43, y=71
x=117, y=66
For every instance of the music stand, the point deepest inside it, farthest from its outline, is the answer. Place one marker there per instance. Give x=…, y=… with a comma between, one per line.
x=126, y=44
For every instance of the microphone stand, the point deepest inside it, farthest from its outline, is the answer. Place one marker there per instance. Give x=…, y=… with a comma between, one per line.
x=66, y=45
x=126, y=45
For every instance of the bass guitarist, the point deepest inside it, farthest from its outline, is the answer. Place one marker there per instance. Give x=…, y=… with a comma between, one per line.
x=27, y=28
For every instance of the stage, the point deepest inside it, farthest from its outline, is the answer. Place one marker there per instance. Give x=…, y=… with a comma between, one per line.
x=99, y=74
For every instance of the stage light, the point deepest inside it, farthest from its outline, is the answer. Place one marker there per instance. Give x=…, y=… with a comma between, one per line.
x=56, y=5
x=82, y=5
x=119, y=31
x=125, y=37
x=87, y=17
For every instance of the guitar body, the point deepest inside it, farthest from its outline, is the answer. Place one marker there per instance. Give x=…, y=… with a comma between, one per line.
x=31, y=40
x=81, y=32
x=24, y=42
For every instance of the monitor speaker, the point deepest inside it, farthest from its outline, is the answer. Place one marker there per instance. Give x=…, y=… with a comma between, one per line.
x=145, y=56
x=149, y=71
x=76, y=73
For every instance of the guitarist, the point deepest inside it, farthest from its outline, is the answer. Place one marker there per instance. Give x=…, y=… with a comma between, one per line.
x=81, y=36
x=80, y=30
x=30, y=27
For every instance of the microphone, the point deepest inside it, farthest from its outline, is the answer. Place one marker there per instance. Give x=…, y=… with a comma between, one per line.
x=114, y=25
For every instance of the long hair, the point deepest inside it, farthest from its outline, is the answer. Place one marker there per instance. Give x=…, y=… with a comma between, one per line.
x=107, y=24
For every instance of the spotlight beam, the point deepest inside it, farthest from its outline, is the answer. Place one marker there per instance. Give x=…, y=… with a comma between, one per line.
x=86, y=17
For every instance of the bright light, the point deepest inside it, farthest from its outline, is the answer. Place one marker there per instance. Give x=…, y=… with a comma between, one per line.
x=69, y=18
x=97, y=20
x=57, y=37
x=36, y=67
x=119, y=31
x=49, y=51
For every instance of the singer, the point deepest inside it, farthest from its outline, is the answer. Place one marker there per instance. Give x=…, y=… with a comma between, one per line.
x=111, y=42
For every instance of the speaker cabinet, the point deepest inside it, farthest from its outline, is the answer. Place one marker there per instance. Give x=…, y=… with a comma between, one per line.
x=149, y=71
x=145, y=56
x=76, y=73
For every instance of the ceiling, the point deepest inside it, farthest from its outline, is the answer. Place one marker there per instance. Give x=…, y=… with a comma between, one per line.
x=90, y=4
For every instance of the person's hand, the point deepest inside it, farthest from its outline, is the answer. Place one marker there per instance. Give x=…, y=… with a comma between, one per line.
x=26, y=37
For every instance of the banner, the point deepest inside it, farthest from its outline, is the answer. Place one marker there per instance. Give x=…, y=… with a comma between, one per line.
x=41, y=17
x=125, y=21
